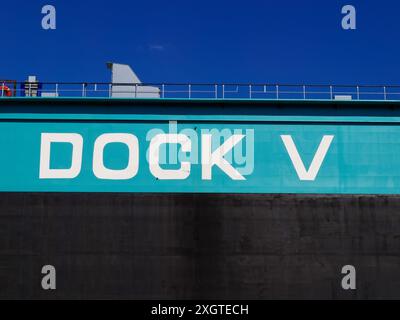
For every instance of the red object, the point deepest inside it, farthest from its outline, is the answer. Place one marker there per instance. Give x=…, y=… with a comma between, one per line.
x=6, y=90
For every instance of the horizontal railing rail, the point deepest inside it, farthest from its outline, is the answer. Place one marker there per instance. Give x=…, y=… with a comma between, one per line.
x=10, y=89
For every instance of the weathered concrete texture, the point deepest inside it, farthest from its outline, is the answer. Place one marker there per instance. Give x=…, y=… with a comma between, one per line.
x=211, y=246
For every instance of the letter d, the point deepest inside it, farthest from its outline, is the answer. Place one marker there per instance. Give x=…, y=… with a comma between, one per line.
x=45, y=150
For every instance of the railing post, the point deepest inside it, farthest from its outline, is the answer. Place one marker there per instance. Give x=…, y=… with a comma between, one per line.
x=331, y=92
x=250, y=92
x=163, y=91
x=384, y=92
x=190, y=91
x=223, y=91
x=109, y=90
x=83, y=89
x=216, y=91
x=304, y=92
x=358, y=92
x=277, y=92
x=136, y=87
x=56, y=89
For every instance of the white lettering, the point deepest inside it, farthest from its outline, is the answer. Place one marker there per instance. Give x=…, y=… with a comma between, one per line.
x=209, y=158
x=99, y=169
x=45, y=151
x=311, y=173
x=154, y=157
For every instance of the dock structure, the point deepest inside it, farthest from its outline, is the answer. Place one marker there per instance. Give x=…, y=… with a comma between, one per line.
x=259, y=198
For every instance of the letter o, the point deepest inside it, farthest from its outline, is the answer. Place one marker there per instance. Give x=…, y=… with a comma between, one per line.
x=101, y=172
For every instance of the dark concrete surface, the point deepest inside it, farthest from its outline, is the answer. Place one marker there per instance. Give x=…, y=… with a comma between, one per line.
x=200, y=246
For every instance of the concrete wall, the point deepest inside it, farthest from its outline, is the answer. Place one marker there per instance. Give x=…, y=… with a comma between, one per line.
x=201, y=246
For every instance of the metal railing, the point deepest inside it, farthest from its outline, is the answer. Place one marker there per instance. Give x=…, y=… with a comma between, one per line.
x=202, y=91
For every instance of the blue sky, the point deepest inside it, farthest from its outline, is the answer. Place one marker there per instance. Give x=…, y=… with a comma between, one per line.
x=204, y=41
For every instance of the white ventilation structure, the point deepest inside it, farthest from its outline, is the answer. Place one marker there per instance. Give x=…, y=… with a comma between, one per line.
x=123, y=74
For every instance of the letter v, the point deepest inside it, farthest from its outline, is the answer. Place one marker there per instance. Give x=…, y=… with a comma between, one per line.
x=311, y=173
